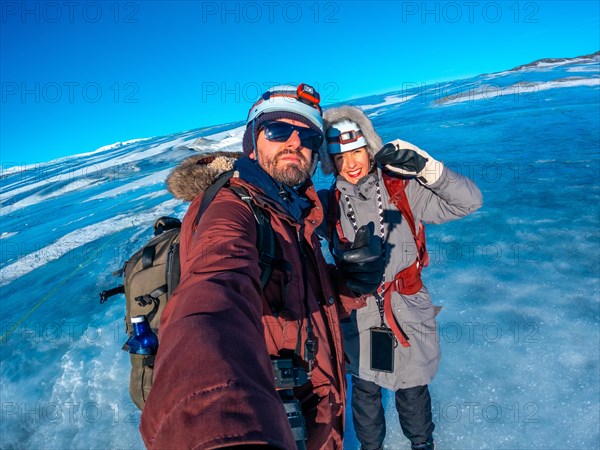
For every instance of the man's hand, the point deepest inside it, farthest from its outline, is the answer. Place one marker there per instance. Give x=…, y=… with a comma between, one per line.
x=407, y=159
x=362, y=265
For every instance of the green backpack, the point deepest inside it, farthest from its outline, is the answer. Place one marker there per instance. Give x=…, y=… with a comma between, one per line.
x=152, y=274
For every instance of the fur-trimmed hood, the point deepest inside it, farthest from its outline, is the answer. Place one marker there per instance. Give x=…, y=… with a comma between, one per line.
x=335, y=115
x=196, y=173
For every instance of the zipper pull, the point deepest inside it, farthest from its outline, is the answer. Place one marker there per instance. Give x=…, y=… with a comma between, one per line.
x=301, y=241
x=310, y=349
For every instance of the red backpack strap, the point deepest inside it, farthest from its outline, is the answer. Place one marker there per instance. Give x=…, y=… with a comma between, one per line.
x=397, y=192
x=332, y=212
x=333, y=216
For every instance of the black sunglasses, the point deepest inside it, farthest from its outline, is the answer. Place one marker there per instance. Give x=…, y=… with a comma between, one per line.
x=281, y=132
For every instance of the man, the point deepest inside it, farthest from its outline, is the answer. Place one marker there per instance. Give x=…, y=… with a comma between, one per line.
x=222, y=333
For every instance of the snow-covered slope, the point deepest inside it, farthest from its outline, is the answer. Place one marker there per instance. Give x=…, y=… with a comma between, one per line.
x=519, y=279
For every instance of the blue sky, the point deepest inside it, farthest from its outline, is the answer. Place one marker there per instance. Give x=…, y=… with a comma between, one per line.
x=79, y=75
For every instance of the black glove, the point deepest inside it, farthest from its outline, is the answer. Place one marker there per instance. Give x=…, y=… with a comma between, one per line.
x=408, y=160
x=362, y=265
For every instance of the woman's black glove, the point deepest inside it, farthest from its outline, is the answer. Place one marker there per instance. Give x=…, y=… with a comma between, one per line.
x=409, y=160
x=362, y=265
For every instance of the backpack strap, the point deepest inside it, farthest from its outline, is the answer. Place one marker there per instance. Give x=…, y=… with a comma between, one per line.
x=265, y=239
x=334, y=225
x=265, y=235
x=173, y=269
x=106, y=294
x=397, y=192
x=148, y=254
x=211, y=192
x=333, y=210
x=152, y=297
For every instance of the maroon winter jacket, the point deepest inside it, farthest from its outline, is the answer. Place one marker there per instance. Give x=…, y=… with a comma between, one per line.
x=213, y=379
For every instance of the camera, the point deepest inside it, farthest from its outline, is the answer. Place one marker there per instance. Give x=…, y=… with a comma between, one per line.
x=287, y=377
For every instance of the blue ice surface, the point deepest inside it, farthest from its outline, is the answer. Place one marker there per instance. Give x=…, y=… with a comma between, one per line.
x=518, y=279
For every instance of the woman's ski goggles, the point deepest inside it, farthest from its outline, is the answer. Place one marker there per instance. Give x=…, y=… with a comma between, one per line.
x=281, y=132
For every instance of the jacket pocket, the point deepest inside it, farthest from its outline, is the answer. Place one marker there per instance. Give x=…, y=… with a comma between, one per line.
x=140, y=378
x=416, y=315
x=280, y=287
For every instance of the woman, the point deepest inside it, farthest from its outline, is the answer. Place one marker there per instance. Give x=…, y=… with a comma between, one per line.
x=392, y=342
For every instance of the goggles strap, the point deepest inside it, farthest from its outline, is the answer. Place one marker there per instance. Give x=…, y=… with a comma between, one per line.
x=287, y=94
x=254, y=140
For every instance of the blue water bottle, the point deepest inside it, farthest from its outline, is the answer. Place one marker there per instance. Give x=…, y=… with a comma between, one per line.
x=143, y=341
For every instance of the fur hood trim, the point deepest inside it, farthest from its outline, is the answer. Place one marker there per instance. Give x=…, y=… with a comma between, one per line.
x=198, y=172
x=336, y=115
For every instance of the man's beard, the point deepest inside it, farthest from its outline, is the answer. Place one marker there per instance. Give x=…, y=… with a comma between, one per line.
x=288, y=173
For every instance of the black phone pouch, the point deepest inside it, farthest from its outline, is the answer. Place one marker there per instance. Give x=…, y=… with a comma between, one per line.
x=382, y=349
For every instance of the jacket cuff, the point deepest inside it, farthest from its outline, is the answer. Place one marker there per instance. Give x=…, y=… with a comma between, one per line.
x=441, y=182
x=348, y=300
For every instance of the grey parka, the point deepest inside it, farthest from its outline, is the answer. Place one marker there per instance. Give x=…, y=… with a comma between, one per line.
x=451, y=197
